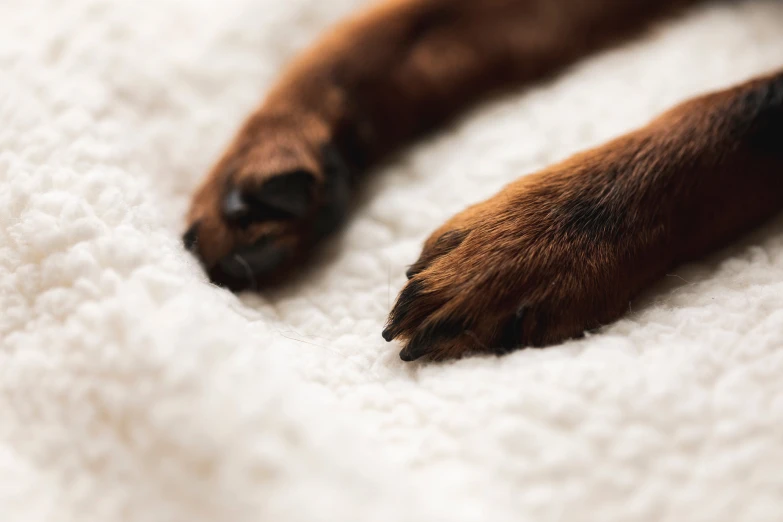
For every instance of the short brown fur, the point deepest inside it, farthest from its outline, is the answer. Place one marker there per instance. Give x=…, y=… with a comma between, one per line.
x=553, y=254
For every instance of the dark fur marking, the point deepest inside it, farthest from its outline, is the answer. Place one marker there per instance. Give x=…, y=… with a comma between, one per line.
x=595, y=217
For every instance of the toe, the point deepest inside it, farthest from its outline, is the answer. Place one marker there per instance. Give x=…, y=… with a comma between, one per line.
x=431, y=339
x=250, y=267
x=285, y=196
x=443, y=245
x=414, y=304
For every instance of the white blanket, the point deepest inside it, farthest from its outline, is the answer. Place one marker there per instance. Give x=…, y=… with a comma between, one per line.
x=133, y=390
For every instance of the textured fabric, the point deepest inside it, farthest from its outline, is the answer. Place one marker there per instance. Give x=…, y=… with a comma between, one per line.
x=133, y=390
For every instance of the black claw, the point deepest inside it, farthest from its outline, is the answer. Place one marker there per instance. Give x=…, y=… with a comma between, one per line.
x=408, y=355
x=388, y=334
x=190, y=238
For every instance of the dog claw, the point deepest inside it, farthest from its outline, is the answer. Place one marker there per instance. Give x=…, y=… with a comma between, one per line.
x=409, y=354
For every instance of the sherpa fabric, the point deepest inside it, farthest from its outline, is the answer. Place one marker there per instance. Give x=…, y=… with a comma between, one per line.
x=133, y=390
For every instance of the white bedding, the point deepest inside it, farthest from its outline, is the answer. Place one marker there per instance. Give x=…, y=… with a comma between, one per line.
x=133, y=390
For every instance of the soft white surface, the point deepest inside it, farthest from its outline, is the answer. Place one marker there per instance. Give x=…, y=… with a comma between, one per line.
x=132, y=390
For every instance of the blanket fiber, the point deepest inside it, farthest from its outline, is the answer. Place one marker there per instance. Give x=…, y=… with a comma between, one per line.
x=133, y=390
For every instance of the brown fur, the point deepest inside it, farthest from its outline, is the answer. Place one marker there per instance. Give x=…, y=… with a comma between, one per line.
x=566, y=249
x=553, y=254
x=393, y=72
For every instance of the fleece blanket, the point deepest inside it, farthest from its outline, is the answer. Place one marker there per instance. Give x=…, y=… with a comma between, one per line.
x=133, y=390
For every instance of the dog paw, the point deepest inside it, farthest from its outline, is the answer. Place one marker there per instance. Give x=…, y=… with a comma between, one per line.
x=280, y=188
x=550, y=257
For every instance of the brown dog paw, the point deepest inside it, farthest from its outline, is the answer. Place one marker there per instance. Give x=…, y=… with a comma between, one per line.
x=564, y=251
x=550, y=257
x=280, y=188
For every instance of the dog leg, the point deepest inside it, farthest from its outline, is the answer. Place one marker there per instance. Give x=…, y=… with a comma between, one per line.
x=563, y=251
x=363, y=91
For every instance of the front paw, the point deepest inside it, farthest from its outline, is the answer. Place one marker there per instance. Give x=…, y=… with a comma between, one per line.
x=280, y=188
x=545, y=260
